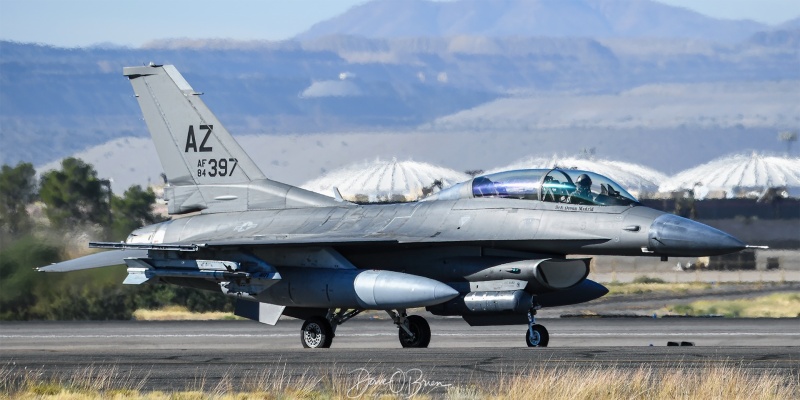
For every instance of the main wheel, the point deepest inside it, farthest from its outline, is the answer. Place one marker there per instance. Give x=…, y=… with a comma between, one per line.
x=538, y=337
x=421, y=330
x=316, y=333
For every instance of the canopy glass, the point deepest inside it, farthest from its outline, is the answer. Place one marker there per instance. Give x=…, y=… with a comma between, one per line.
x=555, y=185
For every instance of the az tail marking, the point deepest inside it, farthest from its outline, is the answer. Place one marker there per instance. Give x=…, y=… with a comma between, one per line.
x=191, y=142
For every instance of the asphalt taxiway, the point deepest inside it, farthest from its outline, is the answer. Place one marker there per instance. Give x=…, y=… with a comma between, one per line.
x=182, y=355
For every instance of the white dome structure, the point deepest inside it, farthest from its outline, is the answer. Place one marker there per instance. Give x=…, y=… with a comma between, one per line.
x=636, y=179
x=739, y=174
x=380, y=181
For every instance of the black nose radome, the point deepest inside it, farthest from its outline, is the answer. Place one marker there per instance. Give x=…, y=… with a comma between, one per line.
x=677, y=236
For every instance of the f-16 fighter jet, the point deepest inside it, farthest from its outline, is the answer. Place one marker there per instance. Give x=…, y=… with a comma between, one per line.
x=492, y=250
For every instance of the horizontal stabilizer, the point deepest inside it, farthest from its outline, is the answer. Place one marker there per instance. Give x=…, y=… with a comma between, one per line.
x=97, y=260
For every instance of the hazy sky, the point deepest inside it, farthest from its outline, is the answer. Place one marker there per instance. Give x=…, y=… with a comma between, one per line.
x=84, y=22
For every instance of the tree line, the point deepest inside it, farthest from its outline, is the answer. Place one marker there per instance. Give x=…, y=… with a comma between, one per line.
x=42, y=219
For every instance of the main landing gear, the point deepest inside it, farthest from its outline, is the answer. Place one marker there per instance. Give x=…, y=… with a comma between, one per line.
x=537, y=335
x=318, y=332
x=413, y=330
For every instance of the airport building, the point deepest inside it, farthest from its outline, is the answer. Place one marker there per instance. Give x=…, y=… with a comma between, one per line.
x=751, y=175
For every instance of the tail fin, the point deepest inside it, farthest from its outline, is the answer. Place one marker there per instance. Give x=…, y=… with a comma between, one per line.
x=206, y=168
x=194, y=147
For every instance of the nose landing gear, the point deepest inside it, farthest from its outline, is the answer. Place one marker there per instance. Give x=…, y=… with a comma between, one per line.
x=537, y=335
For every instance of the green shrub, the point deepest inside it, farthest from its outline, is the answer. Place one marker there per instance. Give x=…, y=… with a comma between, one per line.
x=648, y=279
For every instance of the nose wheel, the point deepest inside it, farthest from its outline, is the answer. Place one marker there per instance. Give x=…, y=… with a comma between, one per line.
x=537, y=335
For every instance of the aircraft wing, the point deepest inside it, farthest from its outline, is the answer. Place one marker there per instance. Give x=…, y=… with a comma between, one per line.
x=96, y=260
x=140, y=250
x=328, y=239
x=270, y=240
x=300, y=240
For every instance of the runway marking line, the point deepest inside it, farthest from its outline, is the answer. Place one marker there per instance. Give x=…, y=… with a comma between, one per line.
x=506, y=334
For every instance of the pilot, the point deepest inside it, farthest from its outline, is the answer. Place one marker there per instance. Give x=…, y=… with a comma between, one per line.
x=548, y=191
x=583, y=192
x=584, y=184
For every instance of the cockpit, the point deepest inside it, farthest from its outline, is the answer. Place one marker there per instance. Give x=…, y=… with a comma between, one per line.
x=549, y=185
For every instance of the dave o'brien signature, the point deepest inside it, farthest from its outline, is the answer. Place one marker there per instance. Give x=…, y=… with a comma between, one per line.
x=405, y=383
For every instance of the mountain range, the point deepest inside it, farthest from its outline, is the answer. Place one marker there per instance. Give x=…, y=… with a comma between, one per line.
x=530, y=18
x=482, y=69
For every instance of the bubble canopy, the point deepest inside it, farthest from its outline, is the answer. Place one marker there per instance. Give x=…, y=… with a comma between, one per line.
x=548, y=185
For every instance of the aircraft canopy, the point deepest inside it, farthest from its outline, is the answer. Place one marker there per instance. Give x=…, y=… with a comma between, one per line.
x=553, y=185
x=550, y=185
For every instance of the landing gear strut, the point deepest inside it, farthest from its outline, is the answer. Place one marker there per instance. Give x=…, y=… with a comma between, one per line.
x=414, y=331
x=537, y=335
x=318, y=332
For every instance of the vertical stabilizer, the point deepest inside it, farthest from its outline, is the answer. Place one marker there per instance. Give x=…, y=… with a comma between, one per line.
x=194, y=147
x=207, y=169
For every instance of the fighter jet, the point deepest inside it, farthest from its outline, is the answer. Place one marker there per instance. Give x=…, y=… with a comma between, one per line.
x=492, y=250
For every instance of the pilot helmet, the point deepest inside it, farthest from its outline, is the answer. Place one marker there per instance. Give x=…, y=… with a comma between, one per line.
x=583, y=181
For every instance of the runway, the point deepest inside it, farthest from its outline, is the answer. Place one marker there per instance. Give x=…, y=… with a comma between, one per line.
x=185, y=355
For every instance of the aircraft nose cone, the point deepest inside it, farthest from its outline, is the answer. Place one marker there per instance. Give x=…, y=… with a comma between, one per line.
x=678, y=236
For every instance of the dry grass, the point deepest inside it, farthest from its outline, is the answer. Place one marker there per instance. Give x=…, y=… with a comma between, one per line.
x=89, y=383
x=713, y=382
x=776, y=305
x=619, y=289
x=720, y=382
x=180, y=313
